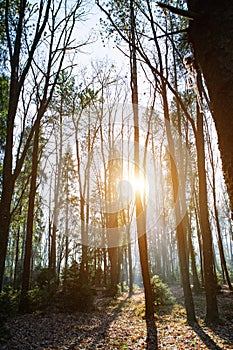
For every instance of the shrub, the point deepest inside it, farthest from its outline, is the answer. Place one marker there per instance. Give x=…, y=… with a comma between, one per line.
x=46, y=280
x=161, y=293
x=75, y=294
x=8, y=306
x=38, y=299
x=77, y=298
x=8, y=301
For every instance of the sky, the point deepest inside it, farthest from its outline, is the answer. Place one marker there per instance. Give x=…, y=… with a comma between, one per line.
x=97, y=50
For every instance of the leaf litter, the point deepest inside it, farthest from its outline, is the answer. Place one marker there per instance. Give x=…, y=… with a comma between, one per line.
x=120, y=324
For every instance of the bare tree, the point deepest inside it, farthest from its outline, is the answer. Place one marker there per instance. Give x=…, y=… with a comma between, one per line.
x=23, y=49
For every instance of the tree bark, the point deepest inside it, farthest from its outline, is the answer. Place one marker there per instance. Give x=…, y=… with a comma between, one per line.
x=211, y=36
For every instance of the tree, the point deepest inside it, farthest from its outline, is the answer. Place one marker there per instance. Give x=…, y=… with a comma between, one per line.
x=209, y=33
x=19, y=72
x=209, y=24
x=68, y=206
x=24, y=304
x=22, y=49
x=61, y=107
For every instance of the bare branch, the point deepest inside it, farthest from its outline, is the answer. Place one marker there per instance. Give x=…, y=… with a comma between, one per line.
x=177, y=11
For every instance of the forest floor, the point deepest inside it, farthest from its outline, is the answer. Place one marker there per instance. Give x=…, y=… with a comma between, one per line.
x=119, y=324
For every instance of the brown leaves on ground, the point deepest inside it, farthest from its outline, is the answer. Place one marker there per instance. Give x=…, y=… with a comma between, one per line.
x=119, y=324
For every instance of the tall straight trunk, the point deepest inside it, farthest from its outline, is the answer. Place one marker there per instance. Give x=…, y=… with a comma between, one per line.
x=53, y=254
x=225, y=273
x=16, y=259
x=130, y=268
x=113, y=251
x=196, y=283
x=220, y=246
x=66, y=224
x=7, y=176
x=140, y=212
x=24, y=302
x=200, y=245
x=181, y=236
x=105, y=266
x=180, y=233
x=209, y=275
x=83, y=238
x=82, y=208
x=85, y=205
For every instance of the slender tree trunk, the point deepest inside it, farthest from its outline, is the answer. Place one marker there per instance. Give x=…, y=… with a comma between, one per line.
x=209, y=276
x=16, y=259
x=7, y=175
x=220, y=243
x=200, y=245
x=181, y=237
x=7, y=182
x=66, y=225
x=53, y=255
x=220, y=246
x=130, y=266
x=24, y=302
x=196, y=283
x=140, y=212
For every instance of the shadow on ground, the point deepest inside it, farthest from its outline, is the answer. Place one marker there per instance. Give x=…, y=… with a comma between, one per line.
x=224, y=329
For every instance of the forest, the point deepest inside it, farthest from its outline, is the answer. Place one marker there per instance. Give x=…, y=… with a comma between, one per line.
x=116, y=174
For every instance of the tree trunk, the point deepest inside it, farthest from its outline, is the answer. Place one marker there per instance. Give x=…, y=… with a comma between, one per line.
x=140, y=211
x=7, y=177
x=180, y=233
x=196, y=283
x=15, y=284
x=24, y=302
x=209, y=276
x=16, y=83
x=130, y=263
x=113, y=253
x=225, y=273
x=220, y=246
x=211, y=36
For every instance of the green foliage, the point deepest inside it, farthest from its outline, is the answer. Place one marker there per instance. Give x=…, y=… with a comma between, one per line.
x=8, y=306
x=4, y=87
x=47, y=281
x=8, y=301
x=86, y=96
x=161, y=292
x=38, y=299
x=4, y=90
x=75, y=295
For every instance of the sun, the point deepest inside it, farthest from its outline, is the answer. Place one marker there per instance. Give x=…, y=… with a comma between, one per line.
x=129, y=186
x=138, y=184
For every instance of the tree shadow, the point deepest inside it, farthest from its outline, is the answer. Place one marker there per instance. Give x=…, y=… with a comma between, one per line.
x=224, y=331
x=101, y=331
x=152, y=336
x=205, y=337
x=68, y=329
